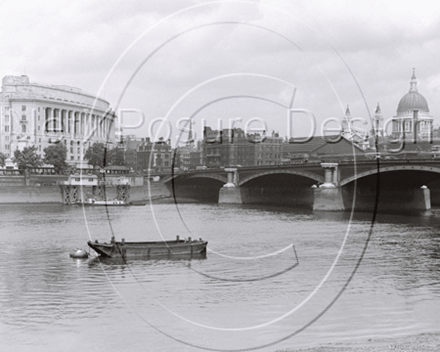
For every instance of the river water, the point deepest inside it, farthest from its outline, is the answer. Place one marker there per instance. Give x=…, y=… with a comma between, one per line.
x=355, y=283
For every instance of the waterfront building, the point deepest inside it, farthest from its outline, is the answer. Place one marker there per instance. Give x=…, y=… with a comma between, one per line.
x=189, y=156
x=231, y=147
x=34, y=114
x=155, y=157
x=129, y=144
x=196, y=156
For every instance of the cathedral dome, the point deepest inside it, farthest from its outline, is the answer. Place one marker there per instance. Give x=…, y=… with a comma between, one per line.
x=412, y=100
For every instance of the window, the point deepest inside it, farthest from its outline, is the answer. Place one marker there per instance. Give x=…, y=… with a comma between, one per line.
x=23, y=117
x=23, y=128
x=23, y=108
x=7, y=146
x=38, y=128
x=6, y=138
x=38, y=111
x=39, y=148
x=6, y=118
x=71, y=149
x=6, y=128
x=38, y=117
x=71, y=157
x=39, y=140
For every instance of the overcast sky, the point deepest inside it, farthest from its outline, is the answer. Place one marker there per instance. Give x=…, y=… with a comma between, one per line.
x=199, y=60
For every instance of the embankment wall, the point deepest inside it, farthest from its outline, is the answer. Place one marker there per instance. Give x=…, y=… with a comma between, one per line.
x=15, y=192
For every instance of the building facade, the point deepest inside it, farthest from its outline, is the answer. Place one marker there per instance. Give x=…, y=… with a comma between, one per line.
x=231, y=147
x=39, y=115
x=154, y=157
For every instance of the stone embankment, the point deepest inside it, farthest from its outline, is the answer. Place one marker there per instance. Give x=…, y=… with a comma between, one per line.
x=13, y=190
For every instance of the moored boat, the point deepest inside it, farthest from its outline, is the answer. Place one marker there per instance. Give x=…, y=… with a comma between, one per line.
x=94, y=202
x=122, y=249
x=139, y=202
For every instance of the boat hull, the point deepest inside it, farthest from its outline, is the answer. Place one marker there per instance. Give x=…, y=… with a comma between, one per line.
x=129, y=250
x=104, y=204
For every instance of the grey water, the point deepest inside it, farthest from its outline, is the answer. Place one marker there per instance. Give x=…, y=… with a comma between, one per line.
x=356, y=281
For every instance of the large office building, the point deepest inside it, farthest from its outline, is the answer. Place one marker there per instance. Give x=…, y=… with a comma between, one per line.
x=39, y=115
x=231, y=147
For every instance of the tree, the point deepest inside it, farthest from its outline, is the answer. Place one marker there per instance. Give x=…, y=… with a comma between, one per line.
x=2, y=159
x=115, y=156
x=95, y=155
x=56, y=155
x=27, y=158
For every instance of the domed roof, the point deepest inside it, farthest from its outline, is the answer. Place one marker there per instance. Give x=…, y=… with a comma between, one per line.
x=412, y=100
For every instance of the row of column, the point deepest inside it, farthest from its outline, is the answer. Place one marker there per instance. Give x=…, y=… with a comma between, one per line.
x=410, y=125
x=76, y=123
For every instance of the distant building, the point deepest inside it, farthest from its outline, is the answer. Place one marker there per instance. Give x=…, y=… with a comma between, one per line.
x=231, y=147
x=129, y=144
x=155, y=157
x=38, y=115
x=297, y=152
x=413, y=117
x=412, y=123
x=351, y=133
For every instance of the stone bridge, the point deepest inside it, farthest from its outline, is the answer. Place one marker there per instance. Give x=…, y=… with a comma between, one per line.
x=390, y=184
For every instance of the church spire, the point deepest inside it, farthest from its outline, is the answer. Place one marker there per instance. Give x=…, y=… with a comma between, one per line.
x=413, y=84
x=190, y=139
x=378, y=121
x=347, y=111
x=377, y=111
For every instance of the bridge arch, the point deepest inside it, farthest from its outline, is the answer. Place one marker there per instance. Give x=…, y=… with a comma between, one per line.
x=199, y=175
x=306, y=174
x=388, y=169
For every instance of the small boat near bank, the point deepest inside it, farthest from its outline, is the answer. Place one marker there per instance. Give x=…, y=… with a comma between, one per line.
x=128, y=250
x=113, y=202
x=94, y=202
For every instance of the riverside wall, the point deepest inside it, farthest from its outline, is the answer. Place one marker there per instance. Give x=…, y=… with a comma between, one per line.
x=14, y=191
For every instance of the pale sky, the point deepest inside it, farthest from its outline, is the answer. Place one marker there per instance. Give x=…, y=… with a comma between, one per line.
x=334, y=52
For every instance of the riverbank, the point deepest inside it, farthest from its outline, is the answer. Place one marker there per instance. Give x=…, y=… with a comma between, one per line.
x=420, y=343
x=19, y=194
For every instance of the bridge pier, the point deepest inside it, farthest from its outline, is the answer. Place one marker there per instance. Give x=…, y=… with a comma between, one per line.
x=426, y=198
x=230, y=193
x=328, y=196
x=418, y=199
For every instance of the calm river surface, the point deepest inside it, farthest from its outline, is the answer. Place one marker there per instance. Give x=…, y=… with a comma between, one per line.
x=231, y=300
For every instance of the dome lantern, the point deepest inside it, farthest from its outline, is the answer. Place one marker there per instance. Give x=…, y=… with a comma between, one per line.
x=413, y=83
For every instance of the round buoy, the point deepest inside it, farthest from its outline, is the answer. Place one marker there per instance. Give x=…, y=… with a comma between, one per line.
x=79, y=253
